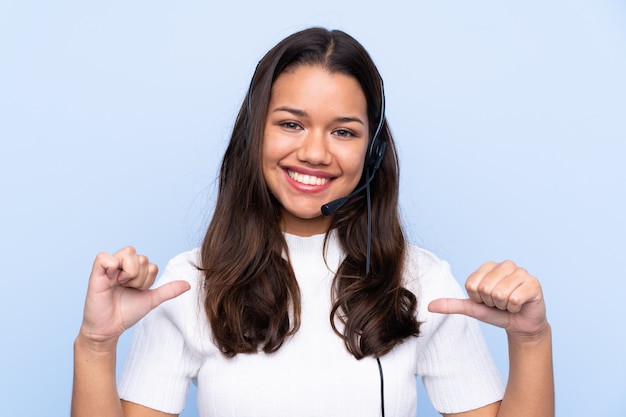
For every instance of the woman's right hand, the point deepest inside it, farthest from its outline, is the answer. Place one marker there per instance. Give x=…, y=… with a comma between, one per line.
x=119, y=295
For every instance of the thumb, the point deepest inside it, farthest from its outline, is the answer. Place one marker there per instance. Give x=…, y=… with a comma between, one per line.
x=142, y=302
x=168, y=291
x=469, y=308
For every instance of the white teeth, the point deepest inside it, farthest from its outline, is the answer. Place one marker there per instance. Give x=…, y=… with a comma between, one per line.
x=307, y=179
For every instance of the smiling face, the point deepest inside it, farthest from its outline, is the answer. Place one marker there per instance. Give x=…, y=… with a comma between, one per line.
x=314, y=144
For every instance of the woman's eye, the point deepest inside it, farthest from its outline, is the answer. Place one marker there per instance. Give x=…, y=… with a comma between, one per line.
x=290, y=125
x=344, y=133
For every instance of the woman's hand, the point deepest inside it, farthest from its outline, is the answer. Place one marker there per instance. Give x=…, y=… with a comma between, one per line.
x=504, y=295
x=119, y=294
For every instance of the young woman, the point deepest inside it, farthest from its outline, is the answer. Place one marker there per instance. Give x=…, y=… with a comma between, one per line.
x=285, y=311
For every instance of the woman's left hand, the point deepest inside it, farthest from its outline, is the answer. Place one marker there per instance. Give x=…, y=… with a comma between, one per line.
x=501, y=294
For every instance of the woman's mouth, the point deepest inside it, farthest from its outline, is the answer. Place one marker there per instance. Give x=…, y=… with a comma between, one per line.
x=306, y=179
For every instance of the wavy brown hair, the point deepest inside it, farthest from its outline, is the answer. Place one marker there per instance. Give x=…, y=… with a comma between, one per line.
x=252, y=296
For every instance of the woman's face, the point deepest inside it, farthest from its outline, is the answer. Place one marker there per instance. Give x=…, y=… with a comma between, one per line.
x=314, y=144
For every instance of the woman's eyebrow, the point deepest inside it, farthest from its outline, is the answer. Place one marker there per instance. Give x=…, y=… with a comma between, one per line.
x=349, y=119
x=295, y=112
x=302, y=113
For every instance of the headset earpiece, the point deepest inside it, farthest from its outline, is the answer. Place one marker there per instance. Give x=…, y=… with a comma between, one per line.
x=376, y=154
x=378, y=146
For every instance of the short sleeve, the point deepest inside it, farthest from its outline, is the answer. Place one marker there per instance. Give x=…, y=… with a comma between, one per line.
x=160, y=364
x=456, y=367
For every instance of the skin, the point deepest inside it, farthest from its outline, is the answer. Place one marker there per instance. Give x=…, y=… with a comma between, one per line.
x=507, y=296
x=118, y=295
x=316, y=125
x=316, y=132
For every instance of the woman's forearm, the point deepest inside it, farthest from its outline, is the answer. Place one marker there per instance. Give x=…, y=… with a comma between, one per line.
x=95, y=390
x=530, y=388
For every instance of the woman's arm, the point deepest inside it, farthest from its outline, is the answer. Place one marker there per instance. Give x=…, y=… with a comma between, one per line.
x=504, y=295
x=118, y=296
x=95, y=391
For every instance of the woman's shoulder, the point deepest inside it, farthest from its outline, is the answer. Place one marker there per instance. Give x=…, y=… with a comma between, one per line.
x=186, y=267
x=420, y=261
x=183, y=266
x=185, y=259
x=427, y=274
x=186, y=310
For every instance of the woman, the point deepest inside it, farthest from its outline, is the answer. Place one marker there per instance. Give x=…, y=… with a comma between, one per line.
x=286, y=311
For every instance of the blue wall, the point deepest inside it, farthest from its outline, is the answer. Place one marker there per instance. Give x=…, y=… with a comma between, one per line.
x=510, y=118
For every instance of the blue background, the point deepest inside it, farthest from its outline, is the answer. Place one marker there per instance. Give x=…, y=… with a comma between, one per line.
x=510, y=118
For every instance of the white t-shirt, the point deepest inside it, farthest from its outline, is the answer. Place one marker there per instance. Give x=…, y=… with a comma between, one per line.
x=312, y=374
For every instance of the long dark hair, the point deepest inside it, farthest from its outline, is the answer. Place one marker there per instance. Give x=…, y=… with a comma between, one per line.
x=252, y=296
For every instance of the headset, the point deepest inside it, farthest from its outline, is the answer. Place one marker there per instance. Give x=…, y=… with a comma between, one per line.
x=374, y=158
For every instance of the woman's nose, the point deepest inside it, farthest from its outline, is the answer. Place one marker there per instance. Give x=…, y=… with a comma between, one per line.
x=314, y=149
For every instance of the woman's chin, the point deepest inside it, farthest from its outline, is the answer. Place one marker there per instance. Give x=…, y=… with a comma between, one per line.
x=305, y=222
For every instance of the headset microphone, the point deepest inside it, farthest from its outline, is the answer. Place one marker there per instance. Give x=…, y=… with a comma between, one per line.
x=333, y=206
